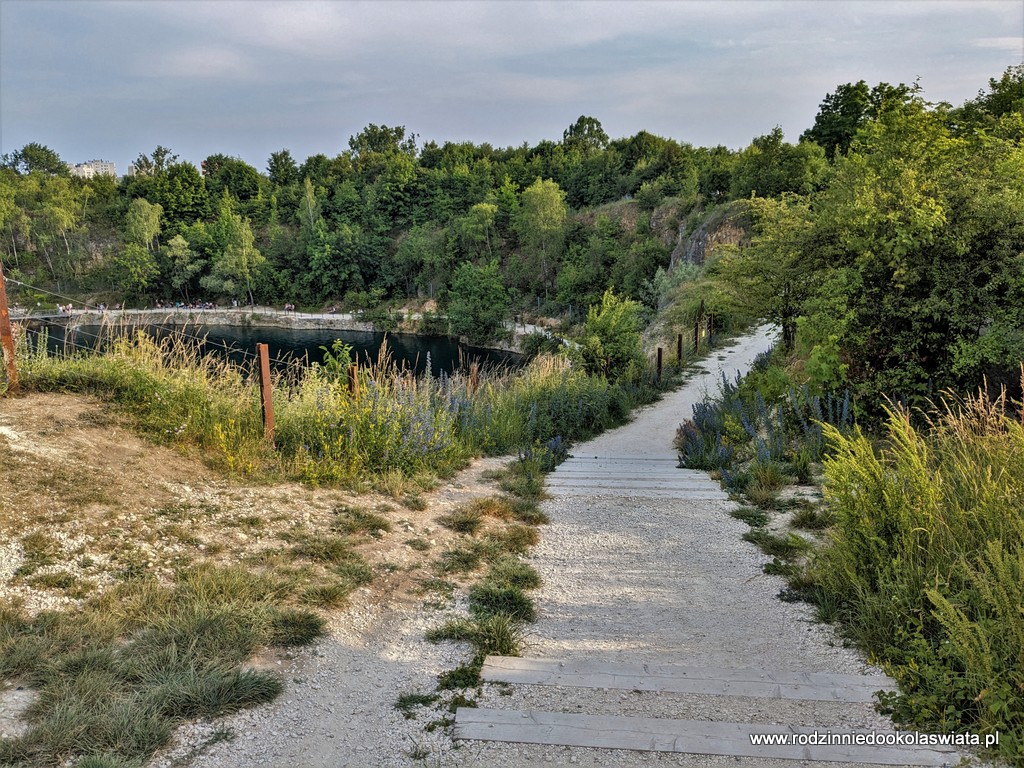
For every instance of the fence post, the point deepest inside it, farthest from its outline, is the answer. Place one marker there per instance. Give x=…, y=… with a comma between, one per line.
x=353, y=379
x=474, y=378
x=659, y=365
x=266, y=391
x=679, y=348
x=7, y=338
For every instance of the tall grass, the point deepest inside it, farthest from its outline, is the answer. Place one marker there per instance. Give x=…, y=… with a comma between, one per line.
x=926, y=561
x=325, y=432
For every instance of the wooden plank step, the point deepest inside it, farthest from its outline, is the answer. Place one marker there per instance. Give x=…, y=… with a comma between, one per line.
x=672, y=678
x=628, y=482
x=682, y=495
x=650, y=734
x=676, y=474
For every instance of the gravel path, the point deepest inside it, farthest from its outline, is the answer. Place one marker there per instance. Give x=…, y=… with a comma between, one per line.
x=626, y=579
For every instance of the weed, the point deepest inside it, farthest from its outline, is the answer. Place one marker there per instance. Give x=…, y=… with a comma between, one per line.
x=323, y=549
x=459, y=560
x=420, y=545
x=784, y=547
x=353, y=520
x=487, y=598
x=513, y=539
x=407, y=703
x=512, y=572
x=465, y=676
x=811, y=519
x=755, y=518
x=464, y=519
x=414, y=502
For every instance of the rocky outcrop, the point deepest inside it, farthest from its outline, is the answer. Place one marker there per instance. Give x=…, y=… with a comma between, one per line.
x=702, y=231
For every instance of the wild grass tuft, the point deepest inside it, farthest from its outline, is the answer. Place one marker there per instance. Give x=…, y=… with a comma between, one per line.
x=115, y=678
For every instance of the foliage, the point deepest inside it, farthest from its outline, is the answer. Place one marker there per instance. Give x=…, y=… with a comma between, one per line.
x=478, y=303
x=925, y=562
x=612, y=345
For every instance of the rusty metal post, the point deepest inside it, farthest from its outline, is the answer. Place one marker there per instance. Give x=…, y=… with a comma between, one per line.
x=474, y=378
x=659, y=365
x=7, y=338
x=679, y=348
x=266, y=391
x=353, y=379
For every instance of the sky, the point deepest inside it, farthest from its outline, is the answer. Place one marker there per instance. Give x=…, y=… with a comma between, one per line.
x=94, y=79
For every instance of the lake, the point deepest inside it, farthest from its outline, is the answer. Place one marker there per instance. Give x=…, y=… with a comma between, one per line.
x=238, y=344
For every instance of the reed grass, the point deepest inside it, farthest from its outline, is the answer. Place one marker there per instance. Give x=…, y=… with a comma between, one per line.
x=926, y=562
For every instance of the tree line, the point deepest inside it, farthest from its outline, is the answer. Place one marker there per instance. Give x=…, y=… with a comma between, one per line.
x=549, y=227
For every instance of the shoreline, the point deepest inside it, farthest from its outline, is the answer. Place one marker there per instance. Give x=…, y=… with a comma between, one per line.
x=252, y=317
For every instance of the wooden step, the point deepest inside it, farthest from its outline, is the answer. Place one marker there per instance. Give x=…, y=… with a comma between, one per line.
x=650, y=734
x=671, y=678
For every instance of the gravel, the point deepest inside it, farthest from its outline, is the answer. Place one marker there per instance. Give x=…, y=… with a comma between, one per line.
x=625, y=579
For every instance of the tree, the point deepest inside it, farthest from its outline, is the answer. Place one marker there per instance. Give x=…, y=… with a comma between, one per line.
x=281, y=169
x=135, y=269
x=233, y=174
x=235, y=262
x=155, y=164
x=185, y=264
x=540, y=224
x=612, y=343
x=772, y=278
x=478, y=302
x=142, y=223
x=770, y=166
x=585, y=136
x=35, y=157
x=847, y=110
x=477, y=225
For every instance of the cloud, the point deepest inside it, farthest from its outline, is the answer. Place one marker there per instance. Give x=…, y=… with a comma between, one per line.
x=205, y=63
x=1013, y=45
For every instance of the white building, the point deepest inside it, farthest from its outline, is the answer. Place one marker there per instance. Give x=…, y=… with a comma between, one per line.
x=93, y=168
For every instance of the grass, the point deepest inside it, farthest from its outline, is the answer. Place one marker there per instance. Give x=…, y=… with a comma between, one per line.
x=464, y=519
x=755, y=518
x=409, y=701
x=353, y=520
x=783, y=546
x=116, y=677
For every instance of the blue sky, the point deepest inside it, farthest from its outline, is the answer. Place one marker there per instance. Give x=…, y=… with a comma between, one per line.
x=108, y=80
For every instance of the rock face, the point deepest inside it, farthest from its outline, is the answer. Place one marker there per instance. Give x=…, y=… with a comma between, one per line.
x=701, y=231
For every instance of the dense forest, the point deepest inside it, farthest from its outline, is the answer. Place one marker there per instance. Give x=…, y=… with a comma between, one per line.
x=886, y=242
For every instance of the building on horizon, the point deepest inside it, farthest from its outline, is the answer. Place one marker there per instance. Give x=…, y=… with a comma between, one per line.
x=93, y=168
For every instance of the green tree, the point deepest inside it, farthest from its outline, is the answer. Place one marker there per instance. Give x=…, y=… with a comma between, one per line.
x=184, y=265
x=234, y=264
x=142, y=223
x=847, y=109
x=135, y=269
x=281, y=169
x=540, y=225
x=477, y=302
x=35, y=157
x=612, y=343
x=586, y=136
x=770, y=167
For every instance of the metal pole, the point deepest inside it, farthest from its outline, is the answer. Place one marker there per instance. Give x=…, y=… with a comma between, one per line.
x=7, y=338
x=266, y=391
x=679, y=348
x=659, y=365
